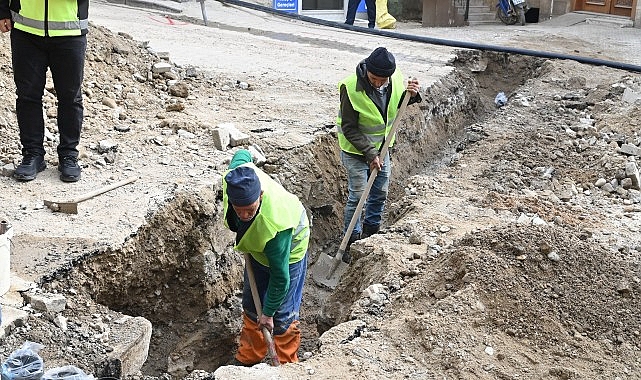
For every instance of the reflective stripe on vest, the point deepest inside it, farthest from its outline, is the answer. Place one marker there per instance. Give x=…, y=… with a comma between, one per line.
x=280, y=210
x=370, y=120
x=301, y=233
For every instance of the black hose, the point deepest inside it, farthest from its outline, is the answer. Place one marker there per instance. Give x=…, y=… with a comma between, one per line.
x=438, y=41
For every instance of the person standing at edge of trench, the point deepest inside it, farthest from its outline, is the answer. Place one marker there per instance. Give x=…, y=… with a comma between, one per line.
x=271, y=225
x=370, y=99
x=352, y=7
x=47, y=34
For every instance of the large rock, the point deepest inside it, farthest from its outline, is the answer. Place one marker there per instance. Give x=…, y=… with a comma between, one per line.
x=632, y=172
x=630, y=150
x=49, y=303
x=221, y=138
x=130, y=337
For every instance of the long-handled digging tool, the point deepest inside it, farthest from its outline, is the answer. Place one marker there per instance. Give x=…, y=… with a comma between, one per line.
x=328, y=270
x=271, y=349
x=71, y=207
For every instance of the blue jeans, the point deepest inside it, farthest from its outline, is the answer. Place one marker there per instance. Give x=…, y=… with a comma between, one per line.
x=65, y=57
x=289, y=310
x=357, y=174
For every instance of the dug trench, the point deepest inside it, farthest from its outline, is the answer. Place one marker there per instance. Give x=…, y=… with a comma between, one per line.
x=180, y=272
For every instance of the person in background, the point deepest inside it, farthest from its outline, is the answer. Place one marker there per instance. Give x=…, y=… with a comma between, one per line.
x=47, y=34
x=352, y=6
x=369, y=101
x=271, y=225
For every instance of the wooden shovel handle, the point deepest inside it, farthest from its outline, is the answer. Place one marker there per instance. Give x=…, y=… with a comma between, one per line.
x=370, y=181
x=115, y=185
x=273, y=355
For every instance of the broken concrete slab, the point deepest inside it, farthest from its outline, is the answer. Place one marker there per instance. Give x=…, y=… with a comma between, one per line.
x=258, y=156
x=261, y=371
x=632, y=172
x=631, y=96
x=630, y=150
x=49, y=303
x=131, y=337
x=221, y=138
x=11, y=318
x=161, y=67
x=238, y=138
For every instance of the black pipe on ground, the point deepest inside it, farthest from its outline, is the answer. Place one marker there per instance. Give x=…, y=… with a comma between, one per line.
x=439, y=41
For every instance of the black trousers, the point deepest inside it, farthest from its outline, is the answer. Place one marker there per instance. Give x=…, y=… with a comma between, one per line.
x=65, y=57
x=352, y=6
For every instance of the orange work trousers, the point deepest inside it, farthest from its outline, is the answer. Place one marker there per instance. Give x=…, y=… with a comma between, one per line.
x=252, y=347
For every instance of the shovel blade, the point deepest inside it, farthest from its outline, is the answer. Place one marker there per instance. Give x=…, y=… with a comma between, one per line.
x=322, y=271
x=66, y=207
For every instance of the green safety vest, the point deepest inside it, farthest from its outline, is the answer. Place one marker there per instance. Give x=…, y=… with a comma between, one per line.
x=370, y=120
x=280, y=210
x=53, y=18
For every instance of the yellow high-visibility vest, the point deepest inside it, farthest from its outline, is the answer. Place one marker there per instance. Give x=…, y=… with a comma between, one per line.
x=280, y=210
x=53, y=18
x=370, y=120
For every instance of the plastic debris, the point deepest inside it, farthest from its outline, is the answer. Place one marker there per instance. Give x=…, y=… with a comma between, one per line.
x=500, y=99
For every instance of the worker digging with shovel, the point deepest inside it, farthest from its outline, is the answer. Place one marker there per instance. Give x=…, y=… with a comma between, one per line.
x=272, y=231
x=370, y=100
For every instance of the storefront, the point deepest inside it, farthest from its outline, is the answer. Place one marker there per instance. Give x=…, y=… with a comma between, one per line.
x=331, y=10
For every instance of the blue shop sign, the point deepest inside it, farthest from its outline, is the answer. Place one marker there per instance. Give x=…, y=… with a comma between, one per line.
x=286, y=5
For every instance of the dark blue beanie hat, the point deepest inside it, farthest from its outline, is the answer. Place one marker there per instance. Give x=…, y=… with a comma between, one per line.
x=243, y=186
x=381, y=63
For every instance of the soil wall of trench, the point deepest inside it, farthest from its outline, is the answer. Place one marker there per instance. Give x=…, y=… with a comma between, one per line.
x=180, y=271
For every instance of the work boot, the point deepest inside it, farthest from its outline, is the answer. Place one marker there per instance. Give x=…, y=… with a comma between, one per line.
x=347, y=257
x=31, y=165
x=69, y=169
x=369, y=230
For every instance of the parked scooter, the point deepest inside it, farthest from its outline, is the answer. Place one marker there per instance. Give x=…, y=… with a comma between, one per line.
x=511, y=11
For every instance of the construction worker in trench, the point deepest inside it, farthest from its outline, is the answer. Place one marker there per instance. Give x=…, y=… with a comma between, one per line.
x=369, y=102
x=271, y=225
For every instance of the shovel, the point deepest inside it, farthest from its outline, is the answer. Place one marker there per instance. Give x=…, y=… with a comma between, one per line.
x=271, y=349
x=328, y=270
x=71, y=207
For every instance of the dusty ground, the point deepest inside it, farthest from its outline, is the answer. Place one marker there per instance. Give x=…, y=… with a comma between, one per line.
x=500, y=259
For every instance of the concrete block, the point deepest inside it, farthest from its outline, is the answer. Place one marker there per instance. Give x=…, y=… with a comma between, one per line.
x=130, y=337
x=19, y=284
x=50, y=303
x=11, y=318
x=161, y=67
x=630, y=150
x=631, y=96
x=238, y=138
x=13, y=299
x=258, y=157
x=221, y=138
x=632, y=172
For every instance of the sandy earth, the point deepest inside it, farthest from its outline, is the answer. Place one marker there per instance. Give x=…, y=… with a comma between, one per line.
x=503, y=256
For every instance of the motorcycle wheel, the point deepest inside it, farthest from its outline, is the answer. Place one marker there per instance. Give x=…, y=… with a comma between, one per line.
x=506, y=19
